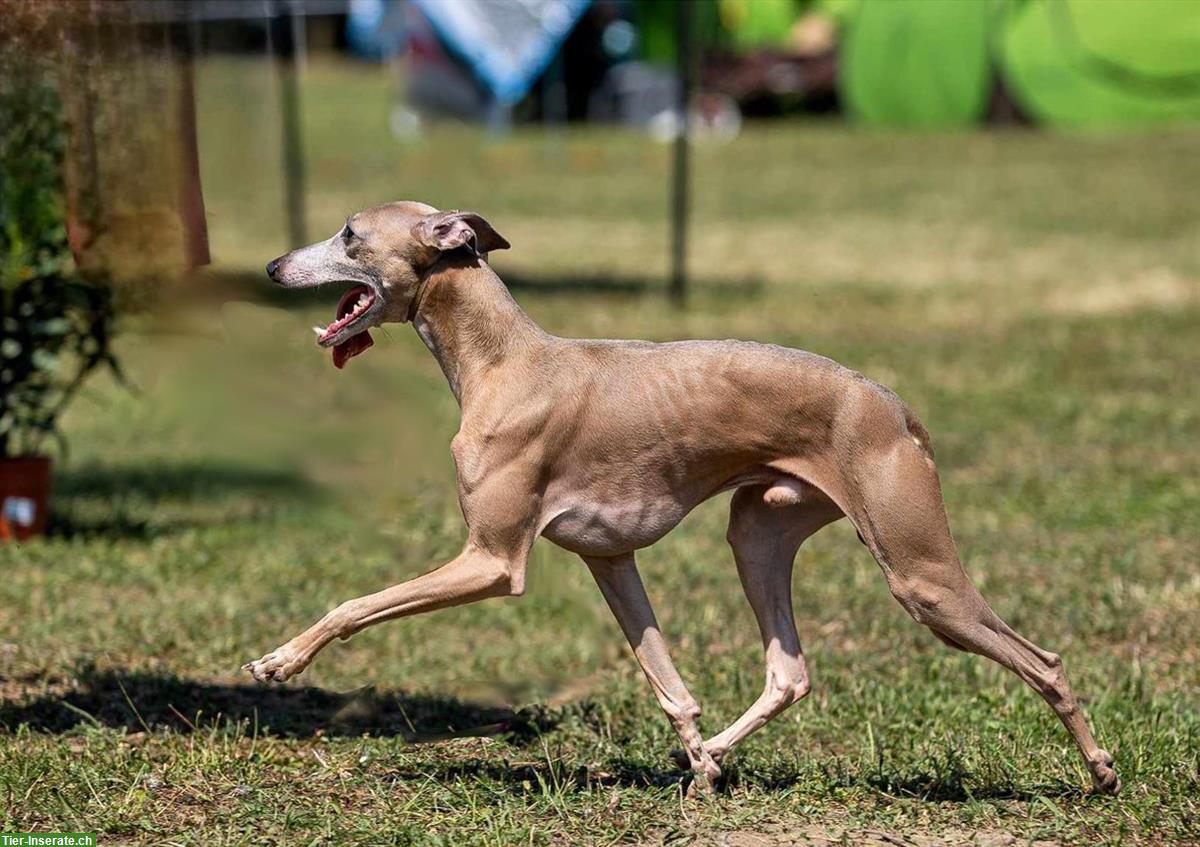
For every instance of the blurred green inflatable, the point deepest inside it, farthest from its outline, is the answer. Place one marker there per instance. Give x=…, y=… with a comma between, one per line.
x=915, y=63
x=932, y=63
x=1104, y=62
x=757, y=23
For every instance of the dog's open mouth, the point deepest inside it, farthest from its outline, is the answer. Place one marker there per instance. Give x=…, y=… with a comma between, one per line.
x=353, y=306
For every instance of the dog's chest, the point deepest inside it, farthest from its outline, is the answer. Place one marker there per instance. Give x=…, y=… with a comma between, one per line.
x=611, y=528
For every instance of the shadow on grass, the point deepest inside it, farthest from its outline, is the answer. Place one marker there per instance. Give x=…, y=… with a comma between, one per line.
x=239, y=285
x=629, y=774
x=958, y=788
x=945, y=782
x=157, y=481
x=537, y=776
x=610, y=284
x=138, y=702
x=146, y=701
x=123, y=501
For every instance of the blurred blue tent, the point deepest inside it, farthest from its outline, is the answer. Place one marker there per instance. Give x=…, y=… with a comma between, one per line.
x=505, y=45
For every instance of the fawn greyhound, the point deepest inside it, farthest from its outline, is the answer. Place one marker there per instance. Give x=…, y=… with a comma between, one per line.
x=604, y=446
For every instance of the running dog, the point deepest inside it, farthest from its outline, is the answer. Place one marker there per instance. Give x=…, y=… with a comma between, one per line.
x=604, y=446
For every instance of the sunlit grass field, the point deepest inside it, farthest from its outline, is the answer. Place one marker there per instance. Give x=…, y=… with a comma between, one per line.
x=1036, y=298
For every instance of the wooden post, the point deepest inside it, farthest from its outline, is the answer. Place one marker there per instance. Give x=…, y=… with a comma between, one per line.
x=191, y=195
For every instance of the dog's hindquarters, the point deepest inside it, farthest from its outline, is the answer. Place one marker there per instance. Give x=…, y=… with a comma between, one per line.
x=891, y=492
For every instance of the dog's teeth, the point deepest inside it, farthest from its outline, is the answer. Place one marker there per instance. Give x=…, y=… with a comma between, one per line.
x=319, y=330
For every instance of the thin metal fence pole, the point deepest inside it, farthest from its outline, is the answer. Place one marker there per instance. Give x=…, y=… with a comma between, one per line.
x=287, y=44
x=679, y=170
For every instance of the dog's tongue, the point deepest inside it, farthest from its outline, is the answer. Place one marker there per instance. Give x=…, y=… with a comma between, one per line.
x=351, y=347
x=355, y=344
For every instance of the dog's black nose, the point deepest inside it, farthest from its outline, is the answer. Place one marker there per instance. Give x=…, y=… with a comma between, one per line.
x=272, y=267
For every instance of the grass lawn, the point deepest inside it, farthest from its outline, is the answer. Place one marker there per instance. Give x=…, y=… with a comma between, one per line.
x=1036, y=298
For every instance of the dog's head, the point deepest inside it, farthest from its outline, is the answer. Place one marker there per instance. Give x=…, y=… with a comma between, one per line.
x=383, y=254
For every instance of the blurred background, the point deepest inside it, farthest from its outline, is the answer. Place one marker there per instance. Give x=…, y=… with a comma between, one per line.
x=992, y=206
x=1026, y=156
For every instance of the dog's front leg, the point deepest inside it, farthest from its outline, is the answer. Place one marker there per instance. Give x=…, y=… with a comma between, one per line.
x=623, y=590
x=475, y=574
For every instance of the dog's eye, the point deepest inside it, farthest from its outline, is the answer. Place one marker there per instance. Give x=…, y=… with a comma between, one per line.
x=347, y=233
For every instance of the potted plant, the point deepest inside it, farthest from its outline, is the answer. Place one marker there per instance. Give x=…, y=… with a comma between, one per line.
x=100, y=210
x=55, y=323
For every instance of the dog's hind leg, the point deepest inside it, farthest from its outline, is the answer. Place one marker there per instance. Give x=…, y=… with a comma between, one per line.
x=765, y=537
x=623, y=590
x=898, y=508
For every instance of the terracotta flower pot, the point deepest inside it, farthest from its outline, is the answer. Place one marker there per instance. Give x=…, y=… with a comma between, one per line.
x=24, y=497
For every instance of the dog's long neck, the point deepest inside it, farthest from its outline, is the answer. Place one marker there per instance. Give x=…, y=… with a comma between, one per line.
x=470, y=322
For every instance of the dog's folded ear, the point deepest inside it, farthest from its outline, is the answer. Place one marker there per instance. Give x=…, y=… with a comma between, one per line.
x=449, y=230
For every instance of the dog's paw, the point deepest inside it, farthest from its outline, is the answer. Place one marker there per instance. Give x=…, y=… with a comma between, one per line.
x=700, y=786
x=679, y=758
x=706, y=781
x=277, y=666
x=1104, y=778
